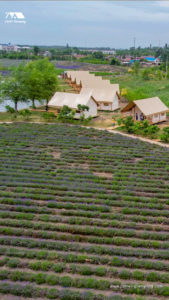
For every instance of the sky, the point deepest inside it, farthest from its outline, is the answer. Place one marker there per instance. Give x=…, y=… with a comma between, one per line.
x=87, y=23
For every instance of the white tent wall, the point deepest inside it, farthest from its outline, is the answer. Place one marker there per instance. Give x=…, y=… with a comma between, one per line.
x=160, y=117
x=106, y=99
x=109, y=106
x=104, y=93
x=91, y=112
x=60, y=99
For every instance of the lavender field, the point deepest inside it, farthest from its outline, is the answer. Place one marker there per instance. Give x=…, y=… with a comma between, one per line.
x=84, y=215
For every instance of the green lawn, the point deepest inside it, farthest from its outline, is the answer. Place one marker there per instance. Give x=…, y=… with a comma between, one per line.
x=150, y=88
x=35, y=117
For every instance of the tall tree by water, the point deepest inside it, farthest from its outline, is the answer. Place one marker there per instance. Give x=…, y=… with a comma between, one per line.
x=13, y=88
x=49, y=79
x=33, y=82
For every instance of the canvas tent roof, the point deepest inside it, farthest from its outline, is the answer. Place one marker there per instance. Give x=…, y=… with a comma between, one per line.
x=72, y=100
x=77, y=74
x=147, y=106
x=101, y=94
x=86, y=78
x=80, y=78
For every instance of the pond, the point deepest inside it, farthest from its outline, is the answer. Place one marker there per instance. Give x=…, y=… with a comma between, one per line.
x=20, y=105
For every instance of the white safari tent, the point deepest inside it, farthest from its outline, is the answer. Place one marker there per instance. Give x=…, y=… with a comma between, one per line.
x=106, y=98
x=72, y=100
x=152, y=109
x=106, y=95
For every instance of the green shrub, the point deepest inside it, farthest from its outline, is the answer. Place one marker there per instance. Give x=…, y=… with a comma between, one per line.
x=52, y=279
x=49, y=116
x=16, y=276
x=52, y=294
x=152, y=276
x=13, y=263
x=45, y=265
x=41, y=254
x=66, y=281
x=138, y=275
x=10, y=109
x=25, y=113
x=58, y=268
x=3, y=274
x=40, y=278
x=85, y=270
x=125, y=274
x=100, y=271
x=35, y=265
x=69, y=295
x=165, y=135
x=117, y=261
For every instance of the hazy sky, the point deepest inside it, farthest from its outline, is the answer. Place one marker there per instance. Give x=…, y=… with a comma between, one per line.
x=87, y=23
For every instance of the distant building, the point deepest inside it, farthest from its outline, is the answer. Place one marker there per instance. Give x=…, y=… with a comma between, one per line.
x=152, y=60
x=110, y=51
x=12, y=48
x=113, y=52
x=47, y=54
x=152, y=109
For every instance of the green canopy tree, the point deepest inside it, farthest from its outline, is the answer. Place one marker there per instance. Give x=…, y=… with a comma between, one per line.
x=115, y=61
x=13, y=88
x=49, y=79
x=36, y=50
x=34, y=82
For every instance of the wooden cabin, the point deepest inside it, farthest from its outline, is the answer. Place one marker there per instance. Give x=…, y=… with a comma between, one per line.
x=151, y=109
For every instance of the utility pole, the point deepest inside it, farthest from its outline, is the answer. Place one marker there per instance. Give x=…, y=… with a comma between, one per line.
x=134, y=46
x=134, y=42
x=166, y=66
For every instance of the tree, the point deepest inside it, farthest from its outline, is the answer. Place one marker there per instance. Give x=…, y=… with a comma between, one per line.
x=25, y=113
x=129, y=124
x=14, y=88
x=66, y=113
x=36, y=50
x=98, y=55
x=115, y=61
x=82, y=109
x=34, y=82
x=49, y=79
x=11, y=111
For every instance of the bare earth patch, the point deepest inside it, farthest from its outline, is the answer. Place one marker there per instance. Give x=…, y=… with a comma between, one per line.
x=56, y=154
x=84, y=166
x=102, y=174
x=136, y=159
x=85, y=150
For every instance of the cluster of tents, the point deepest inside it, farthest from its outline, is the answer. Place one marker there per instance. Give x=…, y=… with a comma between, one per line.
x=93, y=92
x=96, y=94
